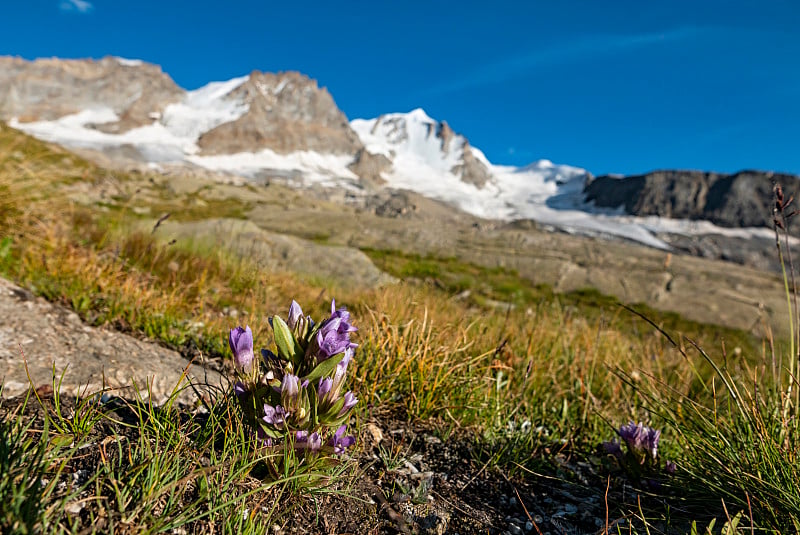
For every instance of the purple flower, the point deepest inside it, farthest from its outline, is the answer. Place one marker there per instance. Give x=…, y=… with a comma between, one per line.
x=312, y=442
x=344, y=316
x=295, y=313
x=241, y=342
x=333, y=336
x=324, y=387
x=339, y=442
x=262, y=437
x=332, y=392
x=274, y=415
x=350, y=401
x=671, y=467
x=239, y=389
x=290, y=387
x=640, y=438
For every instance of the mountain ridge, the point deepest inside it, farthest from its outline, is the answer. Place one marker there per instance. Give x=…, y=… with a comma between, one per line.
x=284, y=127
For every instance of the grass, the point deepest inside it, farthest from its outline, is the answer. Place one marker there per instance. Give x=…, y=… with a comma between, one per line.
x=478, y=352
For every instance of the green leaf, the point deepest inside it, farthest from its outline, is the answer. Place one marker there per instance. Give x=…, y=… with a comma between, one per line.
x=288, y=348
x=331, y=415
x=61, y=441
x=324, y=368
x=271, y=433
x=313, y=403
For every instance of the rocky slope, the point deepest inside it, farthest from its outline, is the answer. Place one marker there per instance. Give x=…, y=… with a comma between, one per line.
x=742, y=199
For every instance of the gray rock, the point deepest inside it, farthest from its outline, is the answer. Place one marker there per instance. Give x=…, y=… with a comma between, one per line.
x=50, y=88
x=37, y=337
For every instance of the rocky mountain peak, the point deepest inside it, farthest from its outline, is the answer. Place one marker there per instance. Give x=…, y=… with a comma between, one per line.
x=415, y=135
x=50, y=88
x=287, y=112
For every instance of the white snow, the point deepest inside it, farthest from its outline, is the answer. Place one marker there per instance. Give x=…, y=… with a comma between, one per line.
x=202, y=110
x=300, y=168
x=171, y=137
x=542, y=191
x=128, y=62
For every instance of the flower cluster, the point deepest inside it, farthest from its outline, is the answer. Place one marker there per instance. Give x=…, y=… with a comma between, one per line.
x=641, y=444
x=296, y=393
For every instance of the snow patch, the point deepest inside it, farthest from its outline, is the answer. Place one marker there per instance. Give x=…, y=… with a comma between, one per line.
x=300, y=168
x=129, y=62
x=202, y=110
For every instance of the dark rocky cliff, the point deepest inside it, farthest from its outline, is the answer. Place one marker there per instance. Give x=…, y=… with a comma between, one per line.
x=743, y=199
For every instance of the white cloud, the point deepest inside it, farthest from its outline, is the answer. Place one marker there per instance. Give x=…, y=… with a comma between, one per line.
x=81, y=6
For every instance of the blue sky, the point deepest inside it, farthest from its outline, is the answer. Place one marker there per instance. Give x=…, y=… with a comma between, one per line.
x=612, y=86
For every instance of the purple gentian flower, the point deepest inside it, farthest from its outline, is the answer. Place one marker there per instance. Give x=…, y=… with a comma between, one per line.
x=239, y=389
x=290, y=387
x=339, y=442
x=295, y=313
x=274, y=415
x=333, y=336
x=312, y=442
x=344, y=316
x=350, y=401
x=640, y=438
x=329, y=388
x=315, y=441
x=324, y=387
x=262, y=437
x=241, y=342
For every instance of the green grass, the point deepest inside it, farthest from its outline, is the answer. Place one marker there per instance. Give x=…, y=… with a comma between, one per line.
x=448, y=351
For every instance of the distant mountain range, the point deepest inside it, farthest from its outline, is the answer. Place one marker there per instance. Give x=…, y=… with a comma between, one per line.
x=267, y=127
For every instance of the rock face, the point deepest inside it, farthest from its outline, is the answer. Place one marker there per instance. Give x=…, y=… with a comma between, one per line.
x=471, y=169
x=743, y=199
x=47, y=89
x=287, y=112
x=370, y=167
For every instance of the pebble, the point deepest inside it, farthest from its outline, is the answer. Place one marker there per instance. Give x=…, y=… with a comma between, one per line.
x=74, y=508
x=528, y=525
x=513, y=502
x=515, y=529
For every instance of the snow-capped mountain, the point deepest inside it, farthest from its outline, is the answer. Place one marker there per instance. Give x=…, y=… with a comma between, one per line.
x=284, y=127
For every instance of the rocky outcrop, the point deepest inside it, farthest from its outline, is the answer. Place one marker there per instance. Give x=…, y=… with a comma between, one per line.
x=471, y=169
x=743, y=199
x=287, y=112
x=369, y=167
x=46, y=89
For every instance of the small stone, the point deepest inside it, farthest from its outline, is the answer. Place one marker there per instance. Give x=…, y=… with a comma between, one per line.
x=512, y=502
x=528, y=525
x=74, y=508
x=430, y=439
x=375, y=432
x=515, y=529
